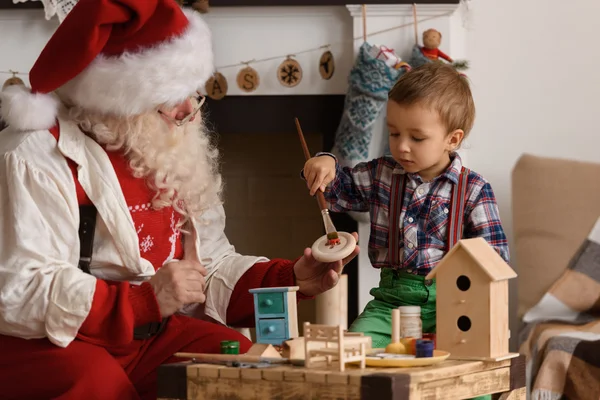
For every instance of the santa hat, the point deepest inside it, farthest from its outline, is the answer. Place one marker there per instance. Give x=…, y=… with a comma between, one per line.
x=118, y=57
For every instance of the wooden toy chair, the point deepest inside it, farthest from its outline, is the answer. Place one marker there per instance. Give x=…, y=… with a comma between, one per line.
x=348, y=346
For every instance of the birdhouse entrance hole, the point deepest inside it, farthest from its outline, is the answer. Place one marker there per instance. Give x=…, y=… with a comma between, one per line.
x=463, y=283
x=464, y=323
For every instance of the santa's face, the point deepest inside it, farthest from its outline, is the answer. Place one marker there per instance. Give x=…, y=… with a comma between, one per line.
x=170, y=149
x=432, y=39
x=184, y=112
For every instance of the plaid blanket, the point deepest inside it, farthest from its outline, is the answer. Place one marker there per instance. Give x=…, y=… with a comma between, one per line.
x=561, y=337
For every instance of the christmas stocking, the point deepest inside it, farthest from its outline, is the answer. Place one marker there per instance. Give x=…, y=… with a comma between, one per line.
x=374, y=73
x=417, y=57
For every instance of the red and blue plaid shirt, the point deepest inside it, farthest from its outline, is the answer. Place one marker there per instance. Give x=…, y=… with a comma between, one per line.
x=423, y=236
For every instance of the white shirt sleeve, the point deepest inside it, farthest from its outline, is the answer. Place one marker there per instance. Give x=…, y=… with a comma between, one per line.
x=224, y=264
x=42, y=292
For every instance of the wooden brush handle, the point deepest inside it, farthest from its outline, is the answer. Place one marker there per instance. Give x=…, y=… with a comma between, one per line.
x=319, y=194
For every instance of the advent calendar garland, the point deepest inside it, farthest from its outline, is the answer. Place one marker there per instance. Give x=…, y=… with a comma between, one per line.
x=289, y=72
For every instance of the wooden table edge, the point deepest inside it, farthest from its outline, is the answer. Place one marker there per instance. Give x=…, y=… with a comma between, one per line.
x=173, y=383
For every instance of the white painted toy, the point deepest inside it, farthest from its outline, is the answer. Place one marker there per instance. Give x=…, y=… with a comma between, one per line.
x=323, y=251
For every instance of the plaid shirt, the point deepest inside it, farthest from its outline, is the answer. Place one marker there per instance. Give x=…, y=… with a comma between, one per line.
x=425, y=213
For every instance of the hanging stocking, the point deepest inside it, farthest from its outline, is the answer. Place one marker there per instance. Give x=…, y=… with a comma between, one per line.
x=374, y=73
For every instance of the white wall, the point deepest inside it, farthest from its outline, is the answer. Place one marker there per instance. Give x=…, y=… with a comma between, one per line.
x=536, y=86
x=24, y=34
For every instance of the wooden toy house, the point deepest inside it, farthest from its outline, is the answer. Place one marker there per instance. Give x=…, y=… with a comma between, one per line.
x=472, y=301
x=275, y=313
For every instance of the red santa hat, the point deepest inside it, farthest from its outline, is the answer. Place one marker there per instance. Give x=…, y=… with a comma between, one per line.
x=118, y=57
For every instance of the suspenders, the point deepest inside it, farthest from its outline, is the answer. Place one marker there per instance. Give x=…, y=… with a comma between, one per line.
x=455, y=226
x=87, y=228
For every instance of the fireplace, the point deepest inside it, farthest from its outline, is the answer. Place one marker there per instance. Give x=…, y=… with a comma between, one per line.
x=268, y=207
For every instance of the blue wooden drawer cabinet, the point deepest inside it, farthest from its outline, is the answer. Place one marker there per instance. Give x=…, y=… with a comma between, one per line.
x=275, y=314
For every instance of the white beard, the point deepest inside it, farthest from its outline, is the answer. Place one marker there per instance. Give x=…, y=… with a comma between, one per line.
x=179, y=163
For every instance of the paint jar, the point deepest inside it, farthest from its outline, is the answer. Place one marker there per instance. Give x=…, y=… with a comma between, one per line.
x=410, y=322
x=424, y=348
x=230, y=347
x=431, y=336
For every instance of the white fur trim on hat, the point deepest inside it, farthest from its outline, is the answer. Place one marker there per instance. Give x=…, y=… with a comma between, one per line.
x=24, y=110
x=136, y=82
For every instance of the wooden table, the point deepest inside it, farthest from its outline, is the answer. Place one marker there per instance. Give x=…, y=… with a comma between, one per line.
x=448, y=380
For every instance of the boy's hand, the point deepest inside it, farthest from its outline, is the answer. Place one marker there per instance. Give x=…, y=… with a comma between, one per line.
x=318, y=172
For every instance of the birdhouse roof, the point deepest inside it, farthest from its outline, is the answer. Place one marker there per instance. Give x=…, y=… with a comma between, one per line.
x=483, y=255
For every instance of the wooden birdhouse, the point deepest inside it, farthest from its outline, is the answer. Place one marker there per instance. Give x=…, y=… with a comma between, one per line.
x=472, y=301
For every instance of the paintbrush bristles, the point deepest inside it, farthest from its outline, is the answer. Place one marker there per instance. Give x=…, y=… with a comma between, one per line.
x=329, y=227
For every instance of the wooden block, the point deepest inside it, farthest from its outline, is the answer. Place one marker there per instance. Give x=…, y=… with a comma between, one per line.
x=316, y=376
x=263, y=350
x=451, y=368
x=354, y=375
x=251, y=373
x=294, y=375
x=294, y=349
x=205, y=370
x=273, y=374
x=229, y=373
x=337, y=378
x=466, y=386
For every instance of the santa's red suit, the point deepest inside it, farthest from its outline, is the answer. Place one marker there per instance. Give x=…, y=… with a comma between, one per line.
x=68, y=334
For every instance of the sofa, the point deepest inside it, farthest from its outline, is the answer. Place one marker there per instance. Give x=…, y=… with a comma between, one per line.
x=556, y=204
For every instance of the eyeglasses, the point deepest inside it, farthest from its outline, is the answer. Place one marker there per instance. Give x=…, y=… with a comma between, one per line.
x=179, y=122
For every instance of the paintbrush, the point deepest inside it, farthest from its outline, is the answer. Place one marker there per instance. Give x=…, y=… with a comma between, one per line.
x=332, y=235
x=231, y=358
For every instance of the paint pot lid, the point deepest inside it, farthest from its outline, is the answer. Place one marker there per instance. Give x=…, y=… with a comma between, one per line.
x=410, y=310
x=424, y=344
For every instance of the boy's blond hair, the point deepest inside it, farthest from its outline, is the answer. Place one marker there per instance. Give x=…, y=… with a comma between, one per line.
x=441, y=87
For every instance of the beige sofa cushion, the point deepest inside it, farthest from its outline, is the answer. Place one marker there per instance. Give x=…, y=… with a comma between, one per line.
x=555, y=204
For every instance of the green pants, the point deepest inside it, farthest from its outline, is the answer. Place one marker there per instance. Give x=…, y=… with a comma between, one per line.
x=396, y=288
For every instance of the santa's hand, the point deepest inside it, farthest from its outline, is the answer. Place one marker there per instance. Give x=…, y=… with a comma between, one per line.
x=177, y=284
x=314, y=277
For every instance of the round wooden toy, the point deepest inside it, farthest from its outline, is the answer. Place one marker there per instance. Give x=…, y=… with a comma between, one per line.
x=324, y=252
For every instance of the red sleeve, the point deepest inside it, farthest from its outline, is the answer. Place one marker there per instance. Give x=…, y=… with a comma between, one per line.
x=117, y=308
x=444, y=56
x=277, y=272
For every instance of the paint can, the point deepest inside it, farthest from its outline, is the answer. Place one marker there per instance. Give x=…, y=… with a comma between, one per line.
x=424, y=348
x=230, y=347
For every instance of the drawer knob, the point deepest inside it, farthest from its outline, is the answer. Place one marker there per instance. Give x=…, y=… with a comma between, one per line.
x=268, y=302
x=271, y=328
